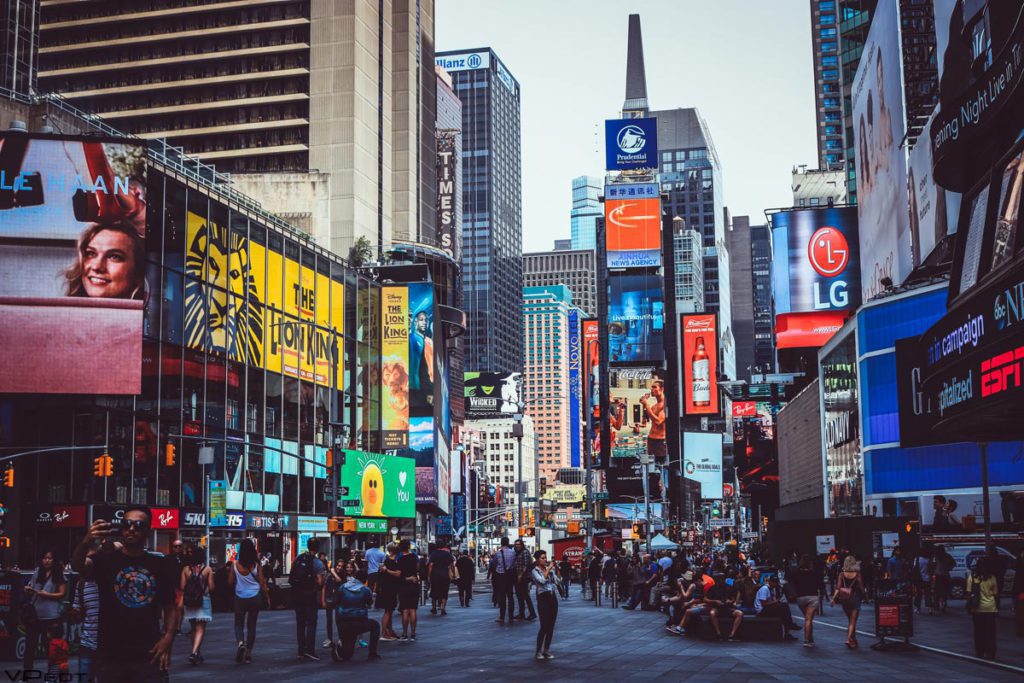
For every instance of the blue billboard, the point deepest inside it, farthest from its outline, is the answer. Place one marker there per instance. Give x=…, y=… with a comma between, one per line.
x=630, y=143
x=575, y=387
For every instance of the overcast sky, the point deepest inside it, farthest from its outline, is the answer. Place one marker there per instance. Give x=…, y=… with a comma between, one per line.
x=745, y=64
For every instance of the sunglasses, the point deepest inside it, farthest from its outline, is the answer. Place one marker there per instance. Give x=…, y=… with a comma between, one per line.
x=137, y=524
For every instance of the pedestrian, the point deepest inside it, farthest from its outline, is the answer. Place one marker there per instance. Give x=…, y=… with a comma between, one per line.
x=521, y=571
x=351, y=613
x=850, y=593
x=942, y=564
x=374, y=558
x=466, y=571
x=636, y=582
x=565, y=575
x=441, y=570
x=408, y=589
x=921, y=579
x=250, y=588
x=306, y=579
x=87, y=602
x=608, y=567
x=593, y=573
x=332, y=582
x=983, y=604
x=57, y=651
x=43, y=593
x=137, y=590
x=492, y=577
x=807, y=589
x=178, y=562
x=896, y=567
x=387, y=591
x=1017, y=594
x=769, y=603
x=504, y=581
x=544, y=577
x=196, y=584
x=723, y=599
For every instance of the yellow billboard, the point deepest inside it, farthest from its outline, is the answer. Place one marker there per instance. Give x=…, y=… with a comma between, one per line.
x=394, y=351
x=258, y=307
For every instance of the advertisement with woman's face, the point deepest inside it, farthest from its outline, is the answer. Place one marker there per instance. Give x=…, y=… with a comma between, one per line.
x=73, y=226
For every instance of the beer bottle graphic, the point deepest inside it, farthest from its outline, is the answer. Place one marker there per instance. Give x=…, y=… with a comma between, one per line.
x=701, y=374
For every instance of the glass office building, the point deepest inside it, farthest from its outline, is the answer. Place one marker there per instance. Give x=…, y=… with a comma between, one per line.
x=586, y=211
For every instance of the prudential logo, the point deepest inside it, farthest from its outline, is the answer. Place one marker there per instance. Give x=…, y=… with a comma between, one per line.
x=631, y=139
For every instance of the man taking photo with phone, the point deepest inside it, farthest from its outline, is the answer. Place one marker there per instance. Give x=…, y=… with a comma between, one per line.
x=137, y=592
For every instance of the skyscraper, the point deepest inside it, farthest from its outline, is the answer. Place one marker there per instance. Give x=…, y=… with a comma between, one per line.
x=750, y=251
x=576, y=269
x=322, y=111
x=689, y=268
x=546, y=380
x=586, y=211
x=838, y=30
x=19, y=31
x=492, y=233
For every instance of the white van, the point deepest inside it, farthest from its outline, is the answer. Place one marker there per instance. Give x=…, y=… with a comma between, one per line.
x=965, y=556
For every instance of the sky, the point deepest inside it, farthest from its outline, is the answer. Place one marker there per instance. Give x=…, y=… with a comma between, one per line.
x=745, y=64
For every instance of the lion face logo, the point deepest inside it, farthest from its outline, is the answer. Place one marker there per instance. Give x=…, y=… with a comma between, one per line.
x=223, y=307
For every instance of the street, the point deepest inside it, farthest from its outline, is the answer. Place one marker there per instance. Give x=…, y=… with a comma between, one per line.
x=590, y=644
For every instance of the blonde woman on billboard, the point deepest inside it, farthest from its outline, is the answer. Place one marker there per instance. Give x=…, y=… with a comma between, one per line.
x=110, y=263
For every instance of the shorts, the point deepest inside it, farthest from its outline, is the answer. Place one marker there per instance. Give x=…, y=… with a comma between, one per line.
x=409, y=597
x=658, y=448
x=439, y=589
x=805, y=601
x=203, y=613
x=387, y=601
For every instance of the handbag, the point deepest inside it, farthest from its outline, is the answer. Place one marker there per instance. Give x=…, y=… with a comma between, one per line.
x=844, y=592
x=75, y=613
x=28, y=613
x=974, y=599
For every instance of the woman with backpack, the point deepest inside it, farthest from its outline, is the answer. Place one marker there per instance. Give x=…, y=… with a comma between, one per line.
x=849, y=593
x=196, y=585
x=250, y=588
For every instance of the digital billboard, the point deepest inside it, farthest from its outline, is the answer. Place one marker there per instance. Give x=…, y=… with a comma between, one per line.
x=630, y=143
x=878, y=129
x=636, y=412
x=702, y=462
x=447, y=202
x=840, y=428
x=592, y=379
x=633, y=232
x=394, y=352
x=421, y=348
x=378, y=485
x=491, y=393
x=73, y=217
x=575, y=387
x=699, y=332
x=636, y=319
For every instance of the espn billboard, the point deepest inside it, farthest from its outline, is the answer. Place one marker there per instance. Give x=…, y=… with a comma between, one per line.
x=699, y=333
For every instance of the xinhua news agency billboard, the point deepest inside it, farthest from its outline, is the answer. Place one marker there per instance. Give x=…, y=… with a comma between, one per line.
x=631, y=143
x=73, y=217
x=378, y=485
x=817, y=273
x=633, y=225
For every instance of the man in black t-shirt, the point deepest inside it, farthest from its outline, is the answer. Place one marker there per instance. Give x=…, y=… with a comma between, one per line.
x=439, y=571
x=137, y=590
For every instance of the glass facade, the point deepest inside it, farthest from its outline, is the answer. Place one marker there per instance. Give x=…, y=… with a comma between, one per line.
x=586, y=211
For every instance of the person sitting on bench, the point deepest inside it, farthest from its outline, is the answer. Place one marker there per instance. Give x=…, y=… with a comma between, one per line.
x=727, y=598
x=768, y=603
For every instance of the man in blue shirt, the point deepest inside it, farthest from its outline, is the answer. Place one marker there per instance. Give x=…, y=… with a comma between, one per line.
x=504, y=575
x=374, y=557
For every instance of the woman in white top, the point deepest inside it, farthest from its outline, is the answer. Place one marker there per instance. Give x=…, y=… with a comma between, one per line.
x=196, y=584
x=545, y=577
x=250, y=590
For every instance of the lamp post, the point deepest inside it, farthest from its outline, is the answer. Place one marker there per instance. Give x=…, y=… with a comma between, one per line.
x=517, y=432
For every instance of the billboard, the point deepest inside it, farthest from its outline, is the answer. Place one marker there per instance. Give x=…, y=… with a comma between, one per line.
x=699, y=332
x=257, y=306
x=489, y=394
x=878, y=129
x=467, y=61
x=575, y=387
x=394, y=352
x=932, y=209
x=636, y=319
x=592, y=379
x=447, y=203
x=422, y=365
x=378, y=485
x=702, y=462
x=73, y=218
x=841, y=438
x=636, y=412
x=633, y=232
x=818, y=249
x=630, y=143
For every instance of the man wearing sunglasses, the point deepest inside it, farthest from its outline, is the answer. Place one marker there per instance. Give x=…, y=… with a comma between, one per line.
x=137, y=590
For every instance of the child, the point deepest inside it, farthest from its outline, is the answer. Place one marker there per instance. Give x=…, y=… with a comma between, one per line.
x=58, y=650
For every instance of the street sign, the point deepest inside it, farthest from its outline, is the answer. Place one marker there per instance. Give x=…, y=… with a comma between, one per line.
x=585, y=515
x=367, y=525
x=720, y=523
x=343, y=490
x=328, y=492
x=601, y=495
x=530, y=499
x=350, y=503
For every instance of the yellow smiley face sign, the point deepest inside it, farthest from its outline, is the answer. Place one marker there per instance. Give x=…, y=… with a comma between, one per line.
x=373, y=491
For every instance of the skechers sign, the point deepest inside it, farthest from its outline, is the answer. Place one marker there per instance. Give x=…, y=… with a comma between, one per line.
x=464, y=62
x=630, y=143
x=821, y=259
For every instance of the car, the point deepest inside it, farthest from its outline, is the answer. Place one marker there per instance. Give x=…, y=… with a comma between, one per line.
x=965, y=557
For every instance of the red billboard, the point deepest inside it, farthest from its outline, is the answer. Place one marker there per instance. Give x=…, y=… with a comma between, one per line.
x=800, y=330
x=592, y=376
x=744, y=409
x=699, y=332
x=633, y=228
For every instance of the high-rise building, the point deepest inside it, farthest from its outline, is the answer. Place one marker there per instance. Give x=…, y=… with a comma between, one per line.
x=586, y=211
x=322, y=111
x=546, y=380
x=750, y=252
x=502, y=457
x=492, y=238
x=576, y=269
x=19, y=31
x=813, y=187
x=838, y=31
x=689, y=267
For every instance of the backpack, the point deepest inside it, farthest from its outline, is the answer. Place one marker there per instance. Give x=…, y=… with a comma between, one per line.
x=302, y=576
x=194, y=591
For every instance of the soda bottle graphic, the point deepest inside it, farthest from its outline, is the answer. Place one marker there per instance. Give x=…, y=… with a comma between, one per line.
x=701, y=374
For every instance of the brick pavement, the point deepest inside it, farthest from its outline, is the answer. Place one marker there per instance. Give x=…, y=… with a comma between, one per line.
x=590, y=644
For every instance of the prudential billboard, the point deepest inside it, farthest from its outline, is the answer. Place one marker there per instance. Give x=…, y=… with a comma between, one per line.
x=630, y=143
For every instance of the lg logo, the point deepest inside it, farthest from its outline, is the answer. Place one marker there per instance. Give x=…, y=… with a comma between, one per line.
x=829, y=254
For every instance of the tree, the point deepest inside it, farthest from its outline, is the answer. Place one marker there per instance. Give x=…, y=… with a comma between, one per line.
x=360, y=253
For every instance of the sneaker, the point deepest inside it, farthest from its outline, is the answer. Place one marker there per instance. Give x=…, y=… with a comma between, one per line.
x=388, y=639
x=240, y=654
x=732, y=639
x=808, y=643
x=326, y=643
x=539, y=657
x=312, y=656
x=412, y=638
x=403, y=638
x=548, y=655
x=362, y=643
x=193, y=659
x=532, y=617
